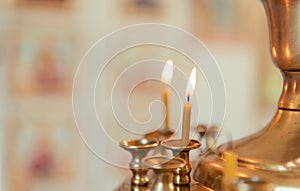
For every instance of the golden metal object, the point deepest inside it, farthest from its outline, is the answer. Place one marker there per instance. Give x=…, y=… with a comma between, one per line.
x=272, y=154
x=181, y=175
x=163, y=168
x=128, y=187
x=254, y=184
x=139, y=149
x=160, y=134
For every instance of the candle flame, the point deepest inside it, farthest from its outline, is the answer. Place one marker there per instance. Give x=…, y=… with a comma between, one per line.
x=191, y=84
x=167, y=73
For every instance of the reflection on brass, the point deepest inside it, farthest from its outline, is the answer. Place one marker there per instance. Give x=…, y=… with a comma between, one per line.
x=192, y=187
x=290, y=97
x=160, y=134
x=273, y=153
x=181, y=175
x=139, y=149
x=163, y=168
x=254, y=184
x=128, y=187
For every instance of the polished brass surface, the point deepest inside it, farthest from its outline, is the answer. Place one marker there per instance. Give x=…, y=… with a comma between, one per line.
x=160, y=134
x=163, y=168
x=290, y=97
x=283, y=20
x=273, y=153
x=139, y=149
x=254, y=184
x=192, y=187
x=126, y=186
x=181, y=175
x=138, y=144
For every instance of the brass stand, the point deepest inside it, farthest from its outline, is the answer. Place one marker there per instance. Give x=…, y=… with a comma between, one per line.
x=139, y=149
x=181, y=175
x=273, y=153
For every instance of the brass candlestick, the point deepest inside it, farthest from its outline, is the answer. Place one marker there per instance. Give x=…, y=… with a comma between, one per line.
x=163, y=168
x=181, y=175
x=273, y=153
x=139, y=149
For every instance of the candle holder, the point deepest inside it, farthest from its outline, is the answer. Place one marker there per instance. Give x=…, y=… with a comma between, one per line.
x=139, y=149
x=181, y=175
x=164, y=169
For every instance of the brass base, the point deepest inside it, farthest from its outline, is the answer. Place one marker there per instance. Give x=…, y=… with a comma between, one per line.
x=272, y=155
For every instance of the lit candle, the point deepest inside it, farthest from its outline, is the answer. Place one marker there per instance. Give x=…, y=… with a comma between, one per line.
x=166, y=77
x=186, y=121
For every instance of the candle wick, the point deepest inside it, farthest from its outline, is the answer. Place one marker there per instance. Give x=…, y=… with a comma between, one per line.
x=188, y=97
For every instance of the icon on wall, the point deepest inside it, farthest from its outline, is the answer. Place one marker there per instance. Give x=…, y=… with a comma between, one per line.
x=44, y=3
x=142, y=7
x=41, y=62
x=42, y=155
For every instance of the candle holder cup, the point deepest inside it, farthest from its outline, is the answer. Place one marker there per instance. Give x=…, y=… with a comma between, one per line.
x=163, y=168
x=139, y=149
x=181, y=175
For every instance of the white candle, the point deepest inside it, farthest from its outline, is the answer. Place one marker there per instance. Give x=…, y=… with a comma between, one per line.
x=186, y=121
x=187, y=108
x=166, y=77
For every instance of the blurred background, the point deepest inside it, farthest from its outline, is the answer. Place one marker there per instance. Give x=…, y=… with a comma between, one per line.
x=43, y=41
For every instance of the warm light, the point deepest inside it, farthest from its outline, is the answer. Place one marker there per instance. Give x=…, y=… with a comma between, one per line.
x=274, y=52
x=167, y=73
x=287, y=51
x=294, y=86
x=191, y=84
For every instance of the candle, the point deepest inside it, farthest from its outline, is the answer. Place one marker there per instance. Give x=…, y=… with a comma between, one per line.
x=186, y=123
x=229, y=178
x=187, y=108
x=166, y=77
x=166, y=103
